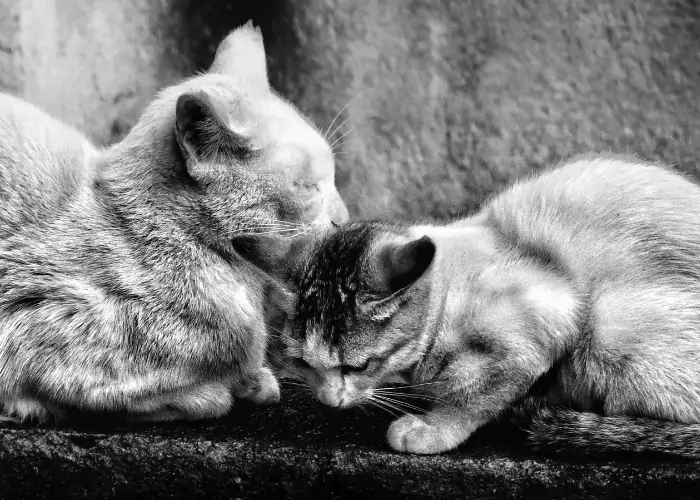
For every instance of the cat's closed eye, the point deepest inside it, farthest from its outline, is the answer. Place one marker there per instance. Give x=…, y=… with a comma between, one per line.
x=302, y=363
x=355, y=369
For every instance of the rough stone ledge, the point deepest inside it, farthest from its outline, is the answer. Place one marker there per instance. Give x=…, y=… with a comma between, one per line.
x=300, y=450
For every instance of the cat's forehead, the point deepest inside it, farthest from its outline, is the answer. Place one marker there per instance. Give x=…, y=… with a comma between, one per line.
x=330, y=282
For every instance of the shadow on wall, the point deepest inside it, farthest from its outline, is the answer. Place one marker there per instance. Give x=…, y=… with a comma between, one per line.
x=196, y=28
x=441, y=101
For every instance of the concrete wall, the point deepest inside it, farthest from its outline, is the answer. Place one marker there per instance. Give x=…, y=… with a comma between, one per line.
x=446, y=99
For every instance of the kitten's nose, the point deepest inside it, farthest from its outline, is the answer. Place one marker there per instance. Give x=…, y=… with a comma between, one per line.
x=329, y=398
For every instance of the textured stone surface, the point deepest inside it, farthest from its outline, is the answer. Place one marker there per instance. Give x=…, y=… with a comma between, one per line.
x=446, y=100
x=95, y=65
x=299, y=450
x=450, y=99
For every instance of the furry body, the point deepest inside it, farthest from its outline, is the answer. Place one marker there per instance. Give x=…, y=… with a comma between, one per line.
x=120, y=288
x=588, y=274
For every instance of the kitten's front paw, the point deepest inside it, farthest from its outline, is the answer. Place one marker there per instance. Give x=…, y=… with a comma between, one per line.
x=261, y=389
x=412, y=434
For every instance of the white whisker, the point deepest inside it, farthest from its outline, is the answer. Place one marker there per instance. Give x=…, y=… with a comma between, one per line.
x=425, y=397
x=381, y=406
x=388, y=404
x=337, y=128
x=341, y=137
x=422, y=384
x=362, y=407
x=400, y=404
x=325, y=136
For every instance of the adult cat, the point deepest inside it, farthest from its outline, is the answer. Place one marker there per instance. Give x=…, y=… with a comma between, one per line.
x=120, y=287
x=582, y=282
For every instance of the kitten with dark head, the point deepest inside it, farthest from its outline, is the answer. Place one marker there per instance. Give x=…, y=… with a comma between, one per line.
x=121, y=288
x=588, y=273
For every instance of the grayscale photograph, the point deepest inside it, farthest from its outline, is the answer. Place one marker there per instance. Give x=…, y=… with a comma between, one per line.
x=350, y=249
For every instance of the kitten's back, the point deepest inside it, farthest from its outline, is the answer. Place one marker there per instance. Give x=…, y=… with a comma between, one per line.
x=607, y=218
x=627, y=236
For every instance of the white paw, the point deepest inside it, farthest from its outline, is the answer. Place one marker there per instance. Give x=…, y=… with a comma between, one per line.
x=25, y=409
x=262, y=389
x=212, y=400
x=411, y=434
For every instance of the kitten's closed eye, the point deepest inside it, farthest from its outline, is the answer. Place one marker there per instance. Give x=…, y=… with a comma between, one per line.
x=355, y=369
x=302, y=363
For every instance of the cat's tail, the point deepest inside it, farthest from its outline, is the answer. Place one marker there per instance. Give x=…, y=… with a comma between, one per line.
x=560, y=429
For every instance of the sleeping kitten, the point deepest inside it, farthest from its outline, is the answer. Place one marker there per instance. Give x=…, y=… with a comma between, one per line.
x=588, y=274
x=121, y=289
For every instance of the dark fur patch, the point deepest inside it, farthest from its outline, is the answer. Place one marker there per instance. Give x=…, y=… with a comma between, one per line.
x=29, y=300
x=545, y=382
x=330, y=281
x=665, y=253
x=543, y=255
x=481, y=344
x=446, y=361
x=109, y=282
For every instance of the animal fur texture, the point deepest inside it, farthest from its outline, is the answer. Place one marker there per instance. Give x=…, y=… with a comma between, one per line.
x=582, y=282
x=121, y=289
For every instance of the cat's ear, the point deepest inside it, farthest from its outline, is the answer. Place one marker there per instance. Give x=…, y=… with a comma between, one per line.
x=201, y=133
x=242, y=54
x=400, y=265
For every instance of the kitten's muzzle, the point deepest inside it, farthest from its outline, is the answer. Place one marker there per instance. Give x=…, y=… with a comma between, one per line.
x=337, y=398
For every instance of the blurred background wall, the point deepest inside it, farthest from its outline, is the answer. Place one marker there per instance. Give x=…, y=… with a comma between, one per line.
x=443, y=100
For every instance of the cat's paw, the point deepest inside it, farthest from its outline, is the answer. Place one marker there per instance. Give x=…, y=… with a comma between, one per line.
x=27, y=410
x=261, y=389
x=200, y=402
x=412, y=434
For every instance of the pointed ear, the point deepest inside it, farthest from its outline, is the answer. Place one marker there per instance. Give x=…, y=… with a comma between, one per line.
x=201, y=133
x=242, y=54
x=400, y=265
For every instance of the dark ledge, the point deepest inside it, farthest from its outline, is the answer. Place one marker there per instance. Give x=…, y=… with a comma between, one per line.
x=300, y=450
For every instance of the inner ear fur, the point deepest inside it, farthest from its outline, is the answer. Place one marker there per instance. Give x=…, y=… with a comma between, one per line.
x=201, y=132
x=242, y=55
x=400, y=265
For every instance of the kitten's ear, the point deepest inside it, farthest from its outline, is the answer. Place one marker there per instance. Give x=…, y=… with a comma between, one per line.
x=202, y=133
x=242, y=54
x=400, y=265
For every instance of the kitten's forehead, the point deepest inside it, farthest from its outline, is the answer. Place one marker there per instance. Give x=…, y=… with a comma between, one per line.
x=318, y=352
x=331, y=280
